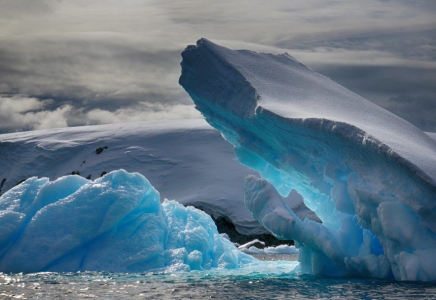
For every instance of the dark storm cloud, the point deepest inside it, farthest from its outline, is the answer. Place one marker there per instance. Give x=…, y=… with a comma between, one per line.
x=399, y=75
x=83, y=80
x=415, y=44
x=416, y=4
x=89, y=71
x=407, y=92
x=25, y=7
x=419, y=110
x=83, y=62
x=376, y=82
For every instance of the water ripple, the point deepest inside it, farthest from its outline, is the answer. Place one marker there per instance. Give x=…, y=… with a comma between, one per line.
x=201, y=285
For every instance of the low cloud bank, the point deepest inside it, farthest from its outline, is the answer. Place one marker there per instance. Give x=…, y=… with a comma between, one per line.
x=20, y=112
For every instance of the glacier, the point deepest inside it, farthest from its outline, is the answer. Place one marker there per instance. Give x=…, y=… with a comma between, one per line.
x=115, y=223
x=368, y=175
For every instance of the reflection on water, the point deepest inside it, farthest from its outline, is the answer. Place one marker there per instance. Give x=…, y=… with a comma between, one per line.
x=266, y=280
x=276, y=257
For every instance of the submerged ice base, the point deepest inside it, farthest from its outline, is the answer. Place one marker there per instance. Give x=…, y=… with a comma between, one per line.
x=368, y=175
x=114, y=223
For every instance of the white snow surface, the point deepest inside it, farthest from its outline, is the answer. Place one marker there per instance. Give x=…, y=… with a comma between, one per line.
x=281, y=249
x=250, y=243
x=432, y=135
x=250, y=248
x=185, y=160
x=368, y=175
x=287, y=88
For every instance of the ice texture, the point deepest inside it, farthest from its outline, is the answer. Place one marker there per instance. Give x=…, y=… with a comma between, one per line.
x=115, y=223
x=201, y=172
x=367, y=174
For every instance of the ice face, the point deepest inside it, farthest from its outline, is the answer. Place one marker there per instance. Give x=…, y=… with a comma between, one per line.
x=115, y=223
x=368, y=175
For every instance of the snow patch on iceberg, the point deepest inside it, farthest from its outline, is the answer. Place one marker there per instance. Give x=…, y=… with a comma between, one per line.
x=114, y=223
x=250, y=248
x=281, y=249
x=368, y=175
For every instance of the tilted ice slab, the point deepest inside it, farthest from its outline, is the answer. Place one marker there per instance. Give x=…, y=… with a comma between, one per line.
x=114, y=223
x=368, y=174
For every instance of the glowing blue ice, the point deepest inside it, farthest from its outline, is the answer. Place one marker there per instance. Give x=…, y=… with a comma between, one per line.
x=115, y=223
x=369, y=175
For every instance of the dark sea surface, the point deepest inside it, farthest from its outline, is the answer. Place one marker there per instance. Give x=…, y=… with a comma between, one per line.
x=271, y=280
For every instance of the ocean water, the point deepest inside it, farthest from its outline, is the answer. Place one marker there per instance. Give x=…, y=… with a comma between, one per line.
x=268, y=280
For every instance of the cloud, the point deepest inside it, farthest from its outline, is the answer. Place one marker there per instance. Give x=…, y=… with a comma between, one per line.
x=380, y=83
x=366, y=58
x=419, y=110
x=21, y=113
x=143, y=112
x=90, y=69
x=25, y=7
x=89, y=62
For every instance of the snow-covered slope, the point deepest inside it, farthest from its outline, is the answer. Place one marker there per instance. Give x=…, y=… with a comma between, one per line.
x=185, y=160
x=369, y=175
x=432, y=135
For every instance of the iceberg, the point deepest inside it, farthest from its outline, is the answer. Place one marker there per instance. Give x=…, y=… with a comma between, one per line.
x=200, y=173
x=368, y=175
x=114, y=223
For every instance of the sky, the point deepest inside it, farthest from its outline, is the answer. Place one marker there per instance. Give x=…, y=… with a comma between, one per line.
x=79, y=62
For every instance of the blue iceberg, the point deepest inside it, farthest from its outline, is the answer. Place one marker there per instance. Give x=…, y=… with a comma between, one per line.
x=369, y=175
x=115, y=223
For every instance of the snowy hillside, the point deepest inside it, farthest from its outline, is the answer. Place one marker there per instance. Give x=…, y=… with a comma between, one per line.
x=369, y=175
x=185, y=160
